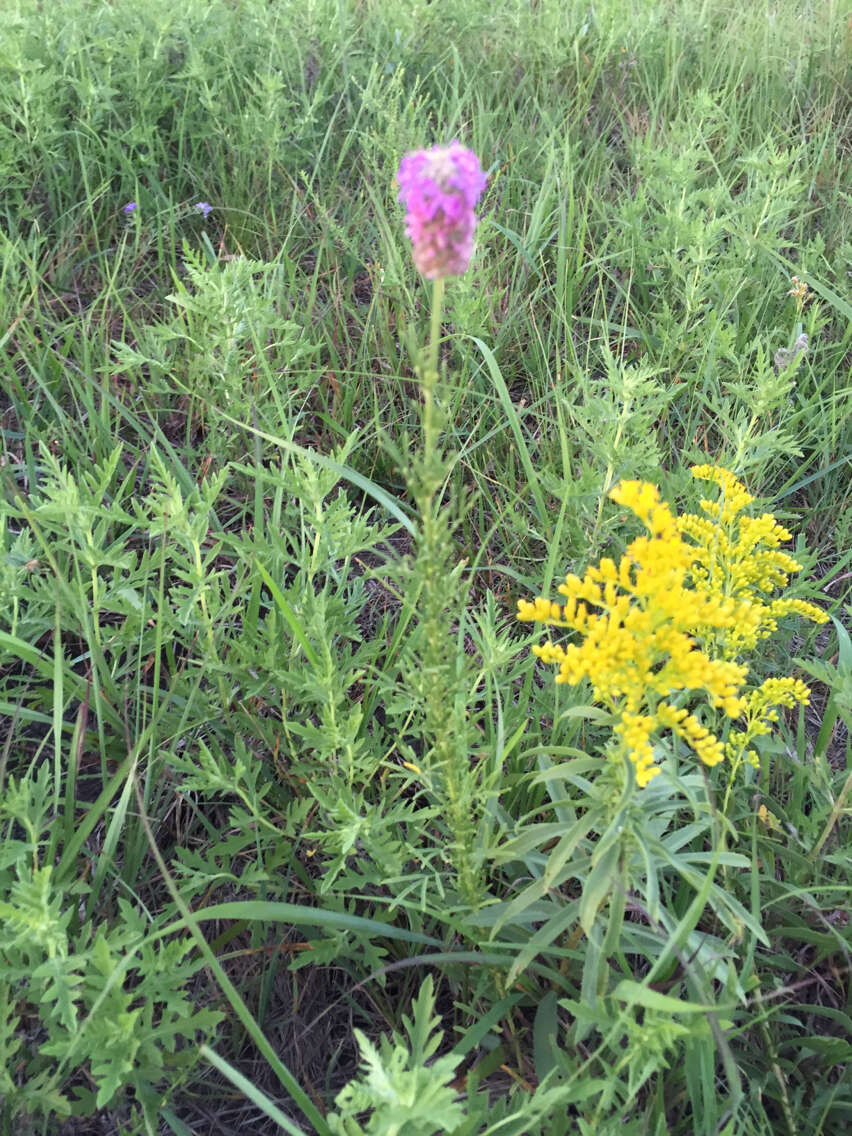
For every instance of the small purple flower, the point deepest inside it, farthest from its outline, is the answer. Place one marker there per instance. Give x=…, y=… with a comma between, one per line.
x=204, y=207
x=130, y=207
x=439, y=188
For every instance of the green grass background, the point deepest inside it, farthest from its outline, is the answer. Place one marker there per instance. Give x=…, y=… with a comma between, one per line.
x=206, y=645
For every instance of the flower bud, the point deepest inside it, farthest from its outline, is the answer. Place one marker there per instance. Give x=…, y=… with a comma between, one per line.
x=439, y=188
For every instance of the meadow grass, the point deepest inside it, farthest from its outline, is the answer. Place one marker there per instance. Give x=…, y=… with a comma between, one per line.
x=240, y=887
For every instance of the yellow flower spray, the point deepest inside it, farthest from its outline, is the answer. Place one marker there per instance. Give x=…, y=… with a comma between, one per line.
x=664, y=628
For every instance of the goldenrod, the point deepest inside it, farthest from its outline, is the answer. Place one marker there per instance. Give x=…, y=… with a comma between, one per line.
x=738, y=557
x=670, y=619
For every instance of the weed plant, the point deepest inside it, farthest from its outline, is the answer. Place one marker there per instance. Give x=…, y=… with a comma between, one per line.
x=297, y=833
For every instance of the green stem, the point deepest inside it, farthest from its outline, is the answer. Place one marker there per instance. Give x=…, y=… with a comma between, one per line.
x=430, y=378
x=435, y=560
x=435, y=329
x=610, y=469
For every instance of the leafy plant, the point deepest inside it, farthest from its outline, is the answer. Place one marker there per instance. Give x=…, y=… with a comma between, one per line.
x=107, y=1003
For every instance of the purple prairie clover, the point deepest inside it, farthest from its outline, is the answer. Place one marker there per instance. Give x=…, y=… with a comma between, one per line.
x=440, y=188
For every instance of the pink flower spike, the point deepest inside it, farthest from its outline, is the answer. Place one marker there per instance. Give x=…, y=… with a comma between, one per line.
x=439, y=188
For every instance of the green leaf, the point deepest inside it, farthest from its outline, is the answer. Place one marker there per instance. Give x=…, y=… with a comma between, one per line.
x=598, y=886
x=257, y=1097
x=637, y=994
x=301, y=916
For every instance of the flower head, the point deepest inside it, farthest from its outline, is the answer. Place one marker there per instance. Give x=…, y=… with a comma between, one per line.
x=666, y=625
x=440, y=188
x=204, y=207
x=130, y=207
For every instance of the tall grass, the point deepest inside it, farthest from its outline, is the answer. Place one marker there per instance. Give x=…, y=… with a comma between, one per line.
x=232, y=894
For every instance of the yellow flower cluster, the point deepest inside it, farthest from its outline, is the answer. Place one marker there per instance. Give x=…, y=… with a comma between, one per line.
x=669, y=619
x=738, y=557
x=761, y=715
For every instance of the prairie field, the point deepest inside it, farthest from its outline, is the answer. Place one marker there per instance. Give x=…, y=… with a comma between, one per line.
x=425, y=702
